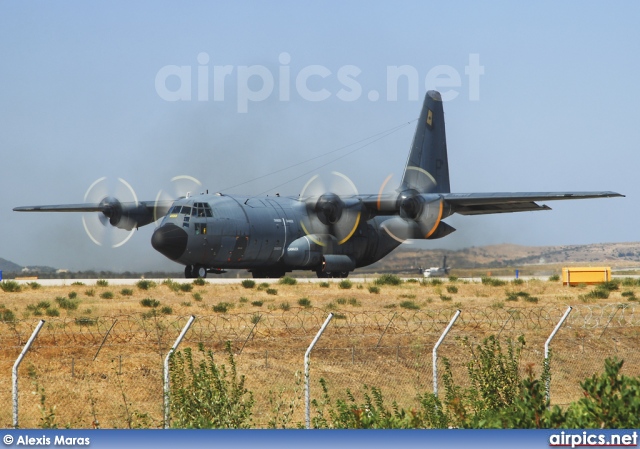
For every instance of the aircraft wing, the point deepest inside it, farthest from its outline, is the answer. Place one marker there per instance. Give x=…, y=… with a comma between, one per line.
x=503, y=202
x=122, y=215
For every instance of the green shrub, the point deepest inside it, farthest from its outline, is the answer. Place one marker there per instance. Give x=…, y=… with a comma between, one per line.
x=341, y=301
x=285, y=306
x=271, y=291
x=452, y=289
x=7, y=316
x=445, y=298
x=629, y=295
x=86, y=321
x=206, y=395
x=144, y=284
x=354, y=302
x=106, y=295
x=453, y=278
x=34, y=285
x=248, y=283
x=345, y=284
x=287, y=281
x=197, y=296
x=554, y=278
x=410, y=305
x=630, y=282
x=388, y=279
x=149, y=302
x=166, y=310
x=72, y=295
x=222, y=307
x=610, y=285
x=43, y=305
x=102, y=283
x=10, y=286
x=172, y=285
x=244, y=299
x=91, y=292
x=517, y=281
x=77, y=283
x=126, y=292
x=514, y=296
x=304, y=302
x=199, y=281
x=324, y=284
x=374, y=289
x=186, y=287
x=256, y=303
x=436, y=281
x=66, y=303
x=493, y=282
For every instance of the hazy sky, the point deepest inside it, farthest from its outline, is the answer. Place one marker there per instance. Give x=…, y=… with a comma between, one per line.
x=542, y=96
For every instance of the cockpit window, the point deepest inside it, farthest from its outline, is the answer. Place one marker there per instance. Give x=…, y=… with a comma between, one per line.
x=176, y=209
x=186, y=210
x=201, y=210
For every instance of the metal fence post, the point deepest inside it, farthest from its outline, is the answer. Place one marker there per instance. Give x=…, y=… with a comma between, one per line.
x=435, y=352
x=306, y=370
x=14, y=372
x=166, y=370
x=546, y=348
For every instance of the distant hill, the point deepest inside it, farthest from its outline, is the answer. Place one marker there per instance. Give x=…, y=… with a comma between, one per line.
x=9, y=267
x=407, y=259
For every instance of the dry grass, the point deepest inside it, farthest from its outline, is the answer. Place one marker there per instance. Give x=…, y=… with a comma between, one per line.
x=372, y=340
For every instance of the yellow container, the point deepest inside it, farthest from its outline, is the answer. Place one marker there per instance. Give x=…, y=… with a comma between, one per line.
x=585, y=275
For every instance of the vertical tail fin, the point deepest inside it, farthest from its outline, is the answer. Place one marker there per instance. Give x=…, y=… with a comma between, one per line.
x=427, y=169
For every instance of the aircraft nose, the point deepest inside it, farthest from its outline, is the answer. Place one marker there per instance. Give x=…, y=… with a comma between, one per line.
x=169, y=240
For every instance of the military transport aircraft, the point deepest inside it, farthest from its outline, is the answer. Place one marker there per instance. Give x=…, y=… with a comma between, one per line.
x=434, y=272
x=324, y=232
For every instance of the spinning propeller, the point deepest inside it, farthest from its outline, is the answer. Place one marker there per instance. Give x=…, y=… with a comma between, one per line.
x=122, y=222
x=421, y=209
x=120, y=208
x=335, y=211
x=181, y=186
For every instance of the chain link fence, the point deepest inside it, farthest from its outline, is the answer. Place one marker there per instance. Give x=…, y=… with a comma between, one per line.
x=107, y=372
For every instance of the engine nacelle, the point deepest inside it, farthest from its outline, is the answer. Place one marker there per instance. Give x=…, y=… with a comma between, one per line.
x=126, y=216
x=335, y=263
x=303, y=253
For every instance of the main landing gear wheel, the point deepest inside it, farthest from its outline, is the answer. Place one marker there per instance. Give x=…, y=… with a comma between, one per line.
x=195, y=271
x=200, y=272
x=333, y=274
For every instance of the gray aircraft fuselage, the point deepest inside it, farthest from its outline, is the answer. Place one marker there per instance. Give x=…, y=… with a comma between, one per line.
x=235, y=232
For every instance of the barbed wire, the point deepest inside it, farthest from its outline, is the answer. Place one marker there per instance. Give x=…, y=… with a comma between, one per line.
x=300, y=324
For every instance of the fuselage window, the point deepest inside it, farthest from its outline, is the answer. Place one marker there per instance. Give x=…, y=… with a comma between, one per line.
x=200, y=228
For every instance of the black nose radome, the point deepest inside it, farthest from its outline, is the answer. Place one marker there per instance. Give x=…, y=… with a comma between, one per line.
x=169, y=240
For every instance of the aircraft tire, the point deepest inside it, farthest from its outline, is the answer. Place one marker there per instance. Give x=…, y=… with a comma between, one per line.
x=188, y=271
x=199, y=271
